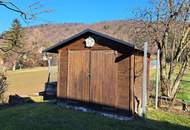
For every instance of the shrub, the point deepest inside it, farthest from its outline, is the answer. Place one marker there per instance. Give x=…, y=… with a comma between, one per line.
x=3, y=86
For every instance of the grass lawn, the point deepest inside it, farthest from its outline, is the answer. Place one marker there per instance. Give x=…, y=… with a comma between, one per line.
x=46, y=116
x=184, y=93
x=28, y=81
x=49, y=116
x=185, y=88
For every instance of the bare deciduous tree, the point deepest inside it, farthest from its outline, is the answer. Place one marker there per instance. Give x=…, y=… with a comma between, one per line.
x=34, y=11
x=167, y=26
x=13, y=7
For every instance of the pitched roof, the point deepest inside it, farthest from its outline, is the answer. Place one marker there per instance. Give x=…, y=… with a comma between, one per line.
x=54, y=48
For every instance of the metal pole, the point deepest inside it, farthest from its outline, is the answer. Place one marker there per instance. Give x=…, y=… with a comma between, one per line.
x=49, y=69
x=157, y=78
x=144, y=102
x=49, y=64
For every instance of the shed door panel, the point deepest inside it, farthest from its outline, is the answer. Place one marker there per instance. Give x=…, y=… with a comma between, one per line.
x=103, y=81
x=78, y=70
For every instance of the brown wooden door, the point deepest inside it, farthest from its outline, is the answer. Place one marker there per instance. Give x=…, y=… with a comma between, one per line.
x=78, y=71
x=103, y=81
x=92, y=76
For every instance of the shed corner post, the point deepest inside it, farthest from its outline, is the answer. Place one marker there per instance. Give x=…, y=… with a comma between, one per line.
x=58, y=73
x=132, y=69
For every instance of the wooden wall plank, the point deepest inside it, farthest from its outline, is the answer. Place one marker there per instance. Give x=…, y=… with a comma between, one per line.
x=123, y=75
x=62, y=74
x=123, y=82
x=138, y=82
x=78, y=69
x=132, y=79
x=104, y=77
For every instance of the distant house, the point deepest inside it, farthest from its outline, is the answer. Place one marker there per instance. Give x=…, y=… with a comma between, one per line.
x=96, y=69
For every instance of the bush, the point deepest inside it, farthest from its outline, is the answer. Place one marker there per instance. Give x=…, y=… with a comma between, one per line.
x=3, y=86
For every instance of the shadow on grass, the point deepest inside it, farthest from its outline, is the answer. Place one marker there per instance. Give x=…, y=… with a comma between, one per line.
x=48, y=113
x=149, y=124
x=16, y=100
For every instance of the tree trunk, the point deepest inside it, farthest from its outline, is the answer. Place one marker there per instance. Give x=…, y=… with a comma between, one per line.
x=163, y=80
x=14, y=66
x=20, y=66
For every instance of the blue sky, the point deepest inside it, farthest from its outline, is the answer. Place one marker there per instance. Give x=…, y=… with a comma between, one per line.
x=77, y=11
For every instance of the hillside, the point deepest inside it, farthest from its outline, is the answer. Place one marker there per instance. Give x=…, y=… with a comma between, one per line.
x=49, y=34
x=37, y=38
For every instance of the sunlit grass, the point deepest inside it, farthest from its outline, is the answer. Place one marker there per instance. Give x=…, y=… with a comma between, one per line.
x=29, y=81
x=45, y=116
x=184, y=92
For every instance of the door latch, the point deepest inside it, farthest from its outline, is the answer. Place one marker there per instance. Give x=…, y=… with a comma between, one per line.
x=89, y=75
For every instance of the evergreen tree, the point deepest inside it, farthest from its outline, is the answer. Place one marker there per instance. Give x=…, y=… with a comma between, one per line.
x=14, y=44
x=14, y=37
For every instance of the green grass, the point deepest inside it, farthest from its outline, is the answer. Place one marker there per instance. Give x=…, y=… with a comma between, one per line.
x=187, y=77
x=28, y=81
x=47, y=116
x=184, y=92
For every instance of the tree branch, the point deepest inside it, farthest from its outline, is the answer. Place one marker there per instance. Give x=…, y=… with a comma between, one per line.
x=13, y=8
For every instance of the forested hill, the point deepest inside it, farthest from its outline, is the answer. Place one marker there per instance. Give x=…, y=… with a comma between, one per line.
x=48, y=34
x=37, y=38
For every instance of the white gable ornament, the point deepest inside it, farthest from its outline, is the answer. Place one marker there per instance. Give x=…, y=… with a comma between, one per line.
x=89, y=42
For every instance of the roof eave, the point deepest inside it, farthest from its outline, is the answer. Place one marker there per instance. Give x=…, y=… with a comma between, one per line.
x=56, y=47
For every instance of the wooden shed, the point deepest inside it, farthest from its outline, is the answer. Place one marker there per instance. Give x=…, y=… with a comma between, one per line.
x=94, y=68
